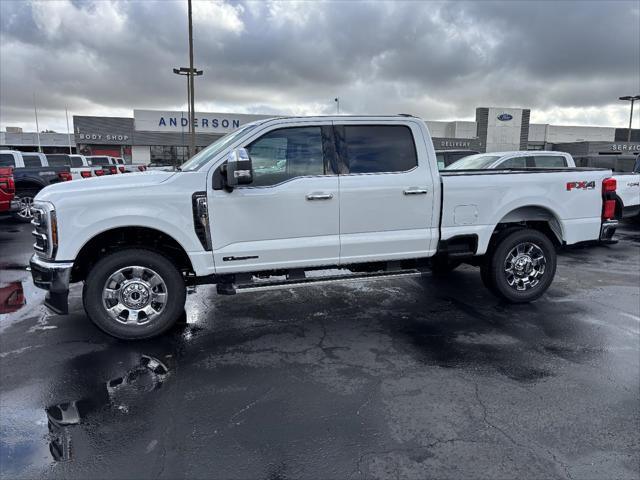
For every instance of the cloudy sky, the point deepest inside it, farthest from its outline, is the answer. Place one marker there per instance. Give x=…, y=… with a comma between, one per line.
x=567, y=61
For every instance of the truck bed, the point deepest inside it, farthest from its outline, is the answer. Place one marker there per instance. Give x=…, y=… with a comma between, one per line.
x=474, y=201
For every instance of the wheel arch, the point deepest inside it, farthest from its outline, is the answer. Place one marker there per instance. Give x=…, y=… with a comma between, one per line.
x=537, y=217
x=122, y=237
x=28, y=184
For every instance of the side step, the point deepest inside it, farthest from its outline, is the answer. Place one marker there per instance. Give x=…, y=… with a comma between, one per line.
x=256, y=286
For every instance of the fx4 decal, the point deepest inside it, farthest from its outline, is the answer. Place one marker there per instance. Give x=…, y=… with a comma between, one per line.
x=581, y=185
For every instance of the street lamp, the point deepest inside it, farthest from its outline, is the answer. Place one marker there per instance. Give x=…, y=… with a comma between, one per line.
x=337, y=100
x=631, y=99
x=190, y=72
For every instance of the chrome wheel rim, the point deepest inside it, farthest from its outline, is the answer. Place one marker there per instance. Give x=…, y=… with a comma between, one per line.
x=524, y=266
x=134, y=295
x=26, y=207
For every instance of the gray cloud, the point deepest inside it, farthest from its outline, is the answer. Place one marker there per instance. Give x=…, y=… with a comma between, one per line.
x=567, y=61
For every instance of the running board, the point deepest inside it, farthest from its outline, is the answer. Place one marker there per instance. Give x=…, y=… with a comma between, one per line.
x=256, y=286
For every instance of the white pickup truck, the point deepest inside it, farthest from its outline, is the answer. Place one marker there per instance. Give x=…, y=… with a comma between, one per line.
x=78, y=165
x=278, y=198
x=628, y=183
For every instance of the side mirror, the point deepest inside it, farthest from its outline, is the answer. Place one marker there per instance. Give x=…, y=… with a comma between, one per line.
x=238, y=169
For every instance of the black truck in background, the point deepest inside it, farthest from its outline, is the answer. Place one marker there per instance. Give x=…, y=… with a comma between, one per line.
x=31, y=173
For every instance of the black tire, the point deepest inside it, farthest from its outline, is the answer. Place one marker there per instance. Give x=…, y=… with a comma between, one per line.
x=26, y=197
x=506, y=285
x=160, y=322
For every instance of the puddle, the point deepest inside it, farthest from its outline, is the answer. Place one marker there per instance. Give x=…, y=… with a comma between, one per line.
x=120, y=393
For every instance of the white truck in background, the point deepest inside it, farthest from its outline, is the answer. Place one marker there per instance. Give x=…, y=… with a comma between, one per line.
x=78, y=165
x=628, y=183
x=278, y=198
x=108, y=164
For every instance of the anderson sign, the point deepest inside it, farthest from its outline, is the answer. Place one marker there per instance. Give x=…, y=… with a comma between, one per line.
x=172, y=121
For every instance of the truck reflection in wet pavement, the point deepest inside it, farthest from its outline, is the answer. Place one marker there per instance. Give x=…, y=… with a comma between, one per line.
x=118, y=393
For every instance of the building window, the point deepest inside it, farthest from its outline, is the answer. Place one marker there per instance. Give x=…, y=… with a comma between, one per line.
x=169, y=155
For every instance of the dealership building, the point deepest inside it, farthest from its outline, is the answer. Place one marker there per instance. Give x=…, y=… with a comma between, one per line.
x=162, y=136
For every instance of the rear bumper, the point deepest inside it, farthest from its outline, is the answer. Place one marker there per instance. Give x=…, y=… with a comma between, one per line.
x=14, y=206
x=607, y=230
x=53, y=277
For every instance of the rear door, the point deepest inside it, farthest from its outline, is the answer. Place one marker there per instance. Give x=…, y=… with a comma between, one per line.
x=386, y=194
x=288, y=217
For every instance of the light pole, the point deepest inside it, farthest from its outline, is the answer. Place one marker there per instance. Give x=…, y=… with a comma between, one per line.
x=337, y=100
x=190, y=72
x=631, y=99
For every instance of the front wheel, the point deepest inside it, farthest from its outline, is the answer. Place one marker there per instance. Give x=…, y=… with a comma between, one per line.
x=134, y=294
x=521, y=266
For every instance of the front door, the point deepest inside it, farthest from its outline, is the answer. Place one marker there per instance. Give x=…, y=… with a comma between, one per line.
x=386, y=195
x=289, y=216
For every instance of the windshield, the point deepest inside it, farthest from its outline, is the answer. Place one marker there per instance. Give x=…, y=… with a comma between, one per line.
x=473, y=162
x=202, y=157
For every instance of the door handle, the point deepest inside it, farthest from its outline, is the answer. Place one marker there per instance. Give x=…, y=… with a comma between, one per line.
x=416, y=191
x=319, y=196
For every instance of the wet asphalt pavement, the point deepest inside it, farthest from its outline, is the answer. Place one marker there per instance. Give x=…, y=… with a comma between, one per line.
x=402, y=378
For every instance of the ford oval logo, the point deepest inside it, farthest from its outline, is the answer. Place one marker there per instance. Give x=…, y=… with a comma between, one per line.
x=504, y=117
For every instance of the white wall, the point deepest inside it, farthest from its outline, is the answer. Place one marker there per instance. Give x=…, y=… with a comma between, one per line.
x=504, y=135
x=456, y=129
x=538, y=132
x=463, y=129
x=437, y=129
x=141, y=154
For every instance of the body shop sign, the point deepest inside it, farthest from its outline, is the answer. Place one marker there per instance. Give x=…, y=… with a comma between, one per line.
x=175, y=121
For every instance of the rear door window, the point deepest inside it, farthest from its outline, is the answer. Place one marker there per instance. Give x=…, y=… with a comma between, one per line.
x=378, y=148
x=515, y=162
x=58, y=160
x=76, y=162
x=31, y=161
x=6, y=160
x=549, y=161
x=99, y=161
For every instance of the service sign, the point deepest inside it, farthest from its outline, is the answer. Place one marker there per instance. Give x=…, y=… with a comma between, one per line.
x=176, y=121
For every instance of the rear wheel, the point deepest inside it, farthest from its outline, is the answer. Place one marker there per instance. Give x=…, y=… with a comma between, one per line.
x=521, y=266
x=25, y=211
x=134, y=294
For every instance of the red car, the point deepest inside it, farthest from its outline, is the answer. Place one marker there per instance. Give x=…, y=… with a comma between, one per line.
x=8, y=202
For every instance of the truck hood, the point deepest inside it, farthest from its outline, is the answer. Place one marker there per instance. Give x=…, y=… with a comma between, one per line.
x=107, y=184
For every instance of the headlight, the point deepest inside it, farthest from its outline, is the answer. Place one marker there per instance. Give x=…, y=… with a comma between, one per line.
x=45, y=230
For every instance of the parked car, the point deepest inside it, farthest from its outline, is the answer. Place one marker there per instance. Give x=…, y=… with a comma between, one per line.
x=362, y=194
x=108, y=164
x=447, y=157
x=628, y=183
x=78, y=165
x=8, y=202
x=515, y=159
x=161, y=166
x=31, y=173
x=130, y=167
